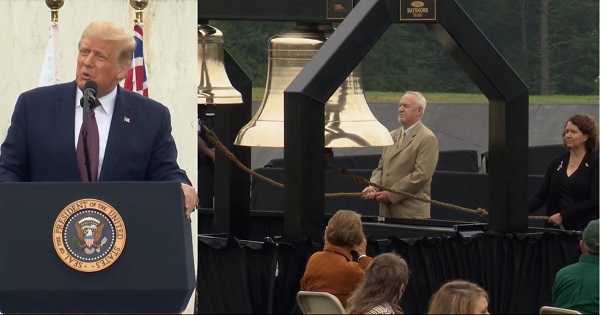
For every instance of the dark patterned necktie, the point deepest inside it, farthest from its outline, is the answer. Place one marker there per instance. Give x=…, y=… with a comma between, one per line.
x=93, y=143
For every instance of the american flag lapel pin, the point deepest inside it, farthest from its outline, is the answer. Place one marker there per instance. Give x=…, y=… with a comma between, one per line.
x=126, y=119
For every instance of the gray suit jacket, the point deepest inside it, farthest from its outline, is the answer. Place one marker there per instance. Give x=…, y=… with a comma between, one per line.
x=408, y=166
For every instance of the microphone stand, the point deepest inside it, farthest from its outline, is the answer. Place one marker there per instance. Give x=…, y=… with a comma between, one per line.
x=86, y=152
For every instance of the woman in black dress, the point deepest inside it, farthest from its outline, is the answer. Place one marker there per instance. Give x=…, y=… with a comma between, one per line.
x=570, y=186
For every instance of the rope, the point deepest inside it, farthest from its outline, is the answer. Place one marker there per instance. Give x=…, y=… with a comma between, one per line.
x=479, y=211
x=359, y=179
x=215, y=140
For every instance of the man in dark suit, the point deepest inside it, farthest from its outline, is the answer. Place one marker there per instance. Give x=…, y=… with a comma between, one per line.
x=134, y=132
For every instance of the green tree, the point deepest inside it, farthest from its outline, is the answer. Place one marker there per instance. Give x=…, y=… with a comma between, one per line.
x=408, y=57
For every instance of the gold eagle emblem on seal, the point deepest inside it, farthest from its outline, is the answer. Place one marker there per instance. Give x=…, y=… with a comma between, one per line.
x=89, y=235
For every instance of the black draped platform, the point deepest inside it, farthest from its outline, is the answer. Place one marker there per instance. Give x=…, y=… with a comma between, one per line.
x=237, y=276
x=262, y=275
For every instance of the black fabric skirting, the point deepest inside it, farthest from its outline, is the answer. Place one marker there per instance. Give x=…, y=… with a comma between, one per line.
x=517, y=271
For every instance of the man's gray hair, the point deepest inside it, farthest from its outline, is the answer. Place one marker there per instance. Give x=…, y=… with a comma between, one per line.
x=420, y=99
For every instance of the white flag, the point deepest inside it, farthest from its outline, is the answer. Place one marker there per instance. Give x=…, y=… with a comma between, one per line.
x=49, y=75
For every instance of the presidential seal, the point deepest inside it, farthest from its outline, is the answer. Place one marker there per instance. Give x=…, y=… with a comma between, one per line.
x=89, y=235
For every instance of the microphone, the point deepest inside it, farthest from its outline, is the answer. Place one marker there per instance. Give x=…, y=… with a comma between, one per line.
x=89, y=94
x=88, y=100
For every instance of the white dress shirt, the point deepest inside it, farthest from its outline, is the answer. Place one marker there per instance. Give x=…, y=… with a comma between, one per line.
x=103, y=114
x=409, y=129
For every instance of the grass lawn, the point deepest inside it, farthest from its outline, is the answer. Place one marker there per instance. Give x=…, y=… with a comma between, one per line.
x=437, y=98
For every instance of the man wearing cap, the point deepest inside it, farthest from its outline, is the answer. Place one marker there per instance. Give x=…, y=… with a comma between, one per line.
x=577, y=286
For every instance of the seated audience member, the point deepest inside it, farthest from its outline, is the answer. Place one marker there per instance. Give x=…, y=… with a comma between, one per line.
x=459, y=297
x=333, y=269
x=576, y=286
x=382, y=287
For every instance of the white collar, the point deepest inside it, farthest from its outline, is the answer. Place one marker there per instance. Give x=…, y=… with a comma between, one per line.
x=409, y=129
x=107, y=101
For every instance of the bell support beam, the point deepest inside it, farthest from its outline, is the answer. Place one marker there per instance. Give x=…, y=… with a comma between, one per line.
x=508, y=116
x=506, y=92
x=304, y=102
x=304, y=165
x=232, y=199
x=264, y=10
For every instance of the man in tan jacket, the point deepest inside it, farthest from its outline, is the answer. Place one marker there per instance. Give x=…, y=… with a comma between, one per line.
x=407, y=165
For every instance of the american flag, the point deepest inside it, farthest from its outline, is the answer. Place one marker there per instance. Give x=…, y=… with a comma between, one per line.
x=136, y=79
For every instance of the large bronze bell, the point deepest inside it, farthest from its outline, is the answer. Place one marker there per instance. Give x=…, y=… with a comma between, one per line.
x=214, y=87
x=348, y=119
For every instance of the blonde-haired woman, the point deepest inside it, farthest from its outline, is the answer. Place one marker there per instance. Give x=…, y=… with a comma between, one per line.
x=333, y=270
x=382, y=287
x=459, y=297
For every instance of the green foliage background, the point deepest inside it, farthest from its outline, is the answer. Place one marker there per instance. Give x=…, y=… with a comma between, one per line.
x=407, y=57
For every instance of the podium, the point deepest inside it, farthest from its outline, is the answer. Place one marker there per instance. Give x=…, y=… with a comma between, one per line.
x=154, y=270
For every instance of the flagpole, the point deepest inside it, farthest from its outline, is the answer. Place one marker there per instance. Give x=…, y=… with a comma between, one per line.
x=54, y=6
x=139, y=6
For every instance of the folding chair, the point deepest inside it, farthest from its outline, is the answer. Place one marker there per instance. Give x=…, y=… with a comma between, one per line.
x=311, y=302
x=557, y=310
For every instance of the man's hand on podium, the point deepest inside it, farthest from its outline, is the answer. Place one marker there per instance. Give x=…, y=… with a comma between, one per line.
x=190, y=199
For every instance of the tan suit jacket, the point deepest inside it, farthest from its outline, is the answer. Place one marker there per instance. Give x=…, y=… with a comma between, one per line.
x=408, y=166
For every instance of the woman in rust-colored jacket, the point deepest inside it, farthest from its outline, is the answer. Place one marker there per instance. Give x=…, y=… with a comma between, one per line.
x=333, y=270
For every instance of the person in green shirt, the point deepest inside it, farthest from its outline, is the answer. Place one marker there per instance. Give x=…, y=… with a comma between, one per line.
x=576, y=286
